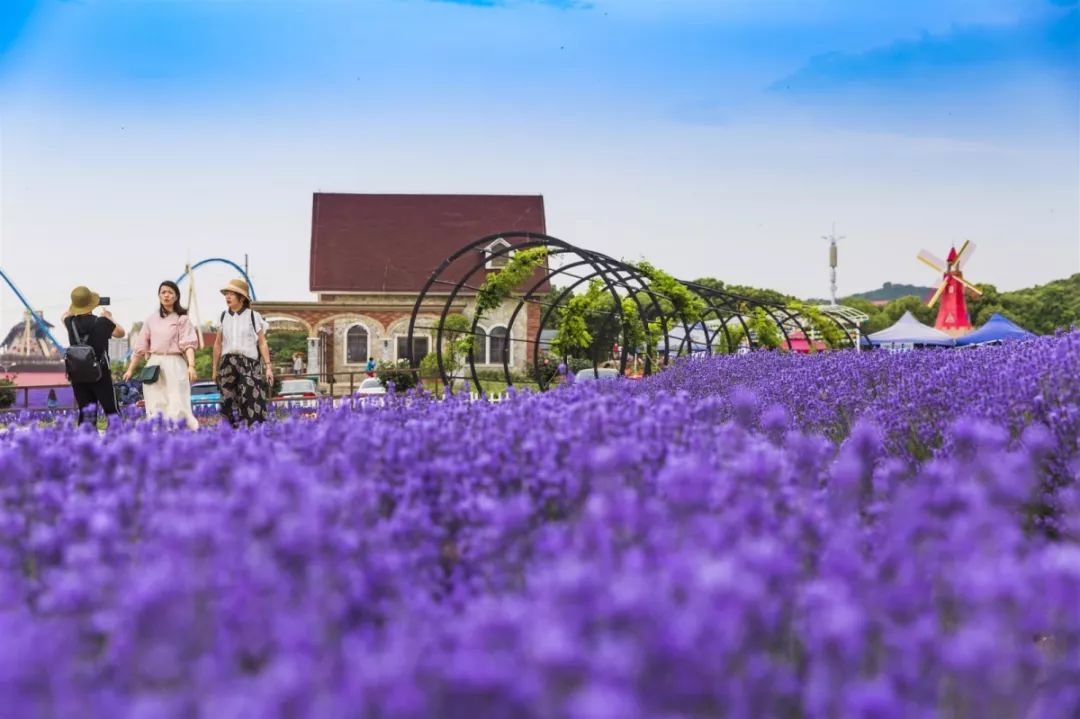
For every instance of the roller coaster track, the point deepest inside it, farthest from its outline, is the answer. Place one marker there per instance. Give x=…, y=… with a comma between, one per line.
x=33, y=313
x=230, y=263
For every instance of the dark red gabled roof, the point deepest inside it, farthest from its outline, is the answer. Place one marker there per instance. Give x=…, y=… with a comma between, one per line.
x=391, y=243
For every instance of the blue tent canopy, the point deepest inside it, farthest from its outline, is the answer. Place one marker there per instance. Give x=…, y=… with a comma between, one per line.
x=996, y=329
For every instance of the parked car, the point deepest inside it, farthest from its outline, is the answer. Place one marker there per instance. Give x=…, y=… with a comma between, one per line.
x=370, y=386
x=205, y=394
x=589, y=374
x=299, y=393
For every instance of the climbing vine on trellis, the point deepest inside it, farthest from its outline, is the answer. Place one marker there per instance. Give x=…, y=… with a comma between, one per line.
x=499, y=285
x=638, y=302
x=677, y=301
x=764, y=329
x=832, y=335
x=573, y=334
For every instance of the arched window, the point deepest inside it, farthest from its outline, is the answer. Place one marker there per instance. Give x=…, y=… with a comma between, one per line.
x=498, y=345
x=480, y=354
x=421, y=347
x=496, y=263
x=356, y=345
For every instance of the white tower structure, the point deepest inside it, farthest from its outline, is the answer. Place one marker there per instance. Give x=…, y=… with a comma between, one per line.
x=832, y=238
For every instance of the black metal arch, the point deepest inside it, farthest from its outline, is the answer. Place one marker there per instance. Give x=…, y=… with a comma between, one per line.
x=456, y=274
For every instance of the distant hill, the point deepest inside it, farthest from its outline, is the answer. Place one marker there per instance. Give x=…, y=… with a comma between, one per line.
x=889, y=292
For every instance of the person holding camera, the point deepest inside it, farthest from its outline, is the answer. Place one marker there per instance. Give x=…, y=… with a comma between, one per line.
x=237, y=350
x=168, y=341
x=86, y=361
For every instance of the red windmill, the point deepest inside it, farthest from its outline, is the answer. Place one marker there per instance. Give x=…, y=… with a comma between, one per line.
x=952, y=314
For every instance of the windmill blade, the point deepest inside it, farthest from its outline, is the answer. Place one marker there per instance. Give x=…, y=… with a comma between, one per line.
x=967, y=284
x=965, y=253
x=928, y=258
x=937, y=294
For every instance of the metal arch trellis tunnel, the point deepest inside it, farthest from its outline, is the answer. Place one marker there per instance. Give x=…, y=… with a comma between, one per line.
x=465, y=270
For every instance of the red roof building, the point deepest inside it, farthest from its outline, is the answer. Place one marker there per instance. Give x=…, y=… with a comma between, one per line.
x=391, y=243
x=799, y=344
x=372, y=254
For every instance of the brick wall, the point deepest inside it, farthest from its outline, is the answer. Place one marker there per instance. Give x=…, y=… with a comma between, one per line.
x=532, y=328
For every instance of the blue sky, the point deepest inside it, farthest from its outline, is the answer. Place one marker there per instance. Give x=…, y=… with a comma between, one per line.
x=710, y=136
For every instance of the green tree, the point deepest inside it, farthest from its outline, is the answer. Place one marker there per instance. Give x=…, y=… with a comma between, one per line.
x=730, y=341
x=679, y=305
x=894, y=310
x=864, y=306
x=204, y=362
x=429, y=366
x=574, y=336
x=1049, y=307
x=754, y=293
x=633, y=331
x=763, y=329
x=591, y=323
x=830, y=333
x=284, y=343
x=458, y=341
x=7, y=393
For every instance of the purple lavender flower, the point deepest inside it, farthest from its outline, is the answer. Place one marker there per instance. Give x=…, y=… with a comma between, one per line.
x=760, y=535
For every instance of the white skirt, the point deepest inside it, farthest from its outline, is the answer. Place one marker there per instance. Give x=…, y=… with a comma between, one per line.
x=170, y=396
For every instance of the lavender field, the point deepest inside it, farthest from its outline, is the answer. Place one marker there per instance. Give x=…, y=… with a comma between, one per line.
x=840, y=535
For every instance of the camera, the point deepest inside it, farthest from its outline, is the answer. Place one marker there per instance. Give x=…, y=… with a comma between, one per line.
x=103, y=301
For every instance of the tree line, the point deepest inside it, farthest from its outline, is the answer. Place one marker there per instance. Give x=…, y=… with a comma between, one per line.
x=1042, y=309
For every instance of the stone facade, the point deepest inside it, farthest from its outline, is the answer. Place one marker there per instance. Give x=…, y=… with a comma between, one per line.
x=378, y=324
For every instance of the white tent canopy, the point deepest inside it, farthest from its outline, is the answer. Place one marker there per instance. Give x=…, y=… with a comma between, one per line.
x=909, y=332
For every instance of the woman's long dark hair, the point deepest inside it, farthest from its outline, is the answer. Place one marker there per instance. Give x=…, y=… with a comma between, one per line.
x=176, y=305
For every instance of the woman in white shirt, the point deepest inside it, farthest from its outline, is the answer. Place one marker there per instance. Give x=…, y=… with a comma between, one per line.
x=237, y=350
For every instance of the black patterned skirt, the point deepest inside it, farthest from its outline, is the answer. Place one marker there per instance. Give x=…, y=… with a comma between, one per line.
x=243, y=390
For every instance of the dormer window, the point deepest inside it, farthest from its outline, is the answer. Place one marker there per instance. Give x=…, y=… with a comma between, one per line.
x=500, y=261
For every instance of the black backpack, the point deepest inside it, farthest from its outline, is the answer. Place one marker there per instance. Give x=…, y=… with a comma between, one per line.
x=81, y=363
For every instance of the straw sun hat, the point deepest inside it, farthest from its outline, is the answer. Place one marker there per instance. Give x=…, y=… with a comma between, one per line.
x=239, y=287
x=83, y=301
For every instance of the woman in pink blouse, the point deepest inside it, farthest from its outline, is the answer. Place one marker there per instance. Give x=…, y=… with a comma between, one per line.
x=168, y=340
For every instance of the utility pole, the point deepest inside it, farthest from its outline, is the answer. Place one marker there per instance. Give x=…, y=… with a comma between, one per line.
x=832, y=238
x=245, y=266
x=193, y=305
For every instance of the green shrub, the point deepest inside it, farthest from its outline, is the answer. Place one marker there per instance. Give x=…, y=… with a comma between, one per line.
x=7, y=393
x=549, y=368
x=400, y=374
x=576, y=364
x=429, y=366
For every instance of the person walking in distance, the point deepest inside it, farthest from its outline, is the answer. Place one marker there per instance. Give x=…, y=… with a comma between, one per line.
x=168, y=342
x=91, y=383
x=239, y=346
